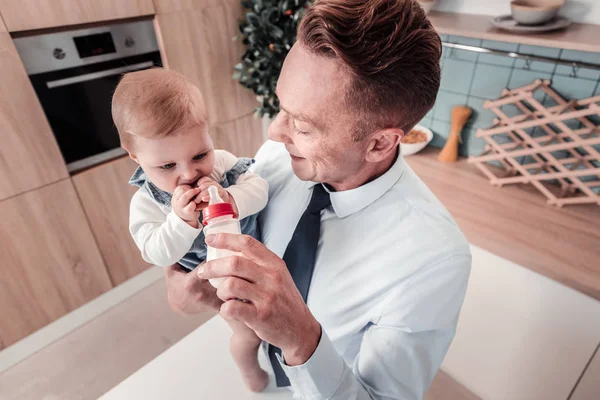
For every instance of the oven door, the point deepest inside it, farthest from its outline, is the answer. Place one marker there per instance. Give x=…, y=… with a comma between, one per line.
x=77, y=103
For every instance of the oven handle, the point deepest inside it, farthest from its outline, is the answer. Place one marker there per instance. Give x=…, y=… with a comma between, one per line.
x=99, y=74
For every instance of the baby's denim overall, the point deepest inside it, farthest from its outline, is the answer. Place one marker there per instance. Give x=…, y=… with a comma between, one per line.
x=197, y=253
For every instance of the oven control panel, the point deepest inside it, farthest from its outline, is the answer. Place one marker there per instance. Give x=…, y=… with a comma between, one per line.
x=68, y=49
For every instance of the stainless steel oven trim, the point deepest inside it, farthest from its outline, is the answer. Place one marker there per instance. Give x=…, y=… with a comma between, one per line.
x=99, y=74
x=96, y=159
x=37, y=52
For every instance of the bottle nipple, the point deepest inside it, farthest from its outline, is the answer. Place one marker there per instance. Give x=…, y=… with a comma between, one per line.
x=213, y=192
x=216, y=207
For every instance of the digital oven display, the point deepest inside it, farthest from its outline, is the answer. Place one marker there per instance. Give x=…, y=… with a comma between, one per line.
x=95, y=45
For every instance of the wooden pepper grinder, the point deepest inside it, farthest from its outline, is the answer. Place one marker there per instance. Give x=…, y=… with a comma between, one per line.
x=460, y=116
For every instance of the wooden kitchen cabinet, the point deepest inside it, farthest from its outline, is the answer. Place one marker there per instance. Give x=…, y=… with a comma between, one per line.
x=21, y=15
x=198, y=43
x=241, y=137
x=105, y=195
x=167, y=6
x=49, y=261
x=29, y=154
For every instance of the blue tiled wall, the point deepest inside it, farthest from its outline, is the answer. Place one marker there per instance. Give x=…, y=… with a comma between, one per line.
x=470, y=78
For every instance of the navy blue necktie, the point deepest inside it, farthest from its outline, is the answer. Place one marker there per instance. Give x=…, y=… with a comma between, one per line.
x=300, y=259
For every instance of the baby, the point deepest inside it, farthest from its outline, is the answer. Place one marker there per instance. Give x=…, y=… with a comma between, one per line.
x=162, y=123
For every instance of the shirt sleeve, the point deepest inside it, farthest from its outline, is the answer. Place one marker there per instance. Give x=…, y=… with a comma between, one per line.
x=162, y=239
x=250, y=192
x=224, y=161
x=402, y=348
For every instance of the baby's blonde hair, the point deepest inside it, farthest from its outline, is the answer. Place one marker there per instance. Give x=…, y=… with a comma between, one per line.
x=154, y=103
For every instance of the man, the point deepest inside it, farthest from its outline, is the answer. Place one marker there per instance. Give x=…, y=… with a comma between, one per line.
x=362, y=274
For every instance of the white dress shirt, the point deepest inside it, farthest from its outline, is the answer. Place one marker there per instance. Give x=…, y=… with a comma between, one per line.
x=390, y=276
x=163, y=238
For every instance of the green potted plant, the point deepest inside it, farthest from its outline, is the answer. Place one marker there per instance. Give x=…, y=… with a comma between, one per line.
x=268, y=31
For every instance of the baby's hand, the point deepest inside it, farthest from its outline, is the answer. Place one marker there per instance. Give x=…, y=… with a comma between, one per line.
x=203, y=198
x=184, y=205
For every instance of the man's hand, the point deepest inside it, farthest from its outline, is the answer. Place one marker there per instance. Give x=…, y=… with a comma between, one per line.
x=184, y=205
x=272, y=306
x=203, y=198
x=188, y=294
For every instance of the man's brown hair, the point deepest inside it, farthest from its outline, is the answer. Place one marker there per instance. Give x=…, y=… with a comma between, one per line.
x=393, y=54
x=154, y=103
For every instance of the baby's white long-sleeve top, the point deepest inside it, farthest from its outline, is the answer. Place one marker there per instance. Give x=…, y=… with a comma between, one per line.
x=164, y=238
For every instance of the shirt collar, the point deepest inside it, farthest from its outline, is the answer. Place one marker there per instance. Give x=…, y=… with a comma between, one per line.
x=350, y=201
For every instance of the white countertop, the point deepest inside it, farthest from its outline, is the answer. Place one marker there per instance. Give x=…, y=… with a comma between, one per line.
x=197, y=367
x=517, y=329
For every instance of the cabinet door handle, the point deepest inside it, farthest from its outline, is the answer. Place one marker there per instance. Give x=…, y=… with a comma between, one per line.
x=99, y=74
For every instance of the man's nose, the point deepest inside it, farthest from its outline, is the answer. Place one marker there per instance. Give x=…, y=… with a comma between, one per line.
x=279, y=129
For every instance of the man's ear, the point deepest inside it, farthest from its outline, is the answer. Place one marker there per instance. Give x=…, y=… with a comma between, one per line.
x=383, y=143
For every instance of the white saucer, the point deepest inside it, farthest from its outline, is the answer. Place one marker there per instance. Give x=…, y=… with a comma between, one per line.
x=507, y=23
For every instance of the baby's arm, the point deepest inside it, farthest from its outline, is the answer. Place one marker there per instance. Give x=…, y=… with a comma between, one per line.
x=163, y=240
x=250, y=193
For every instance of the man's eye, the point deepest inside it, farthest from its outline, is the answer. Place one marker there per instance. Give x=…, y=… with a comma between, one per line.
x=200, y=156
x=298, y=131
x=167, y=166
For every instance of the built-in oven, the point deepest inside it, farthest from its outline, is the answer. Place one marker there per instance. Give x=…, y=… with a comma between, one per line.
x=74, y=74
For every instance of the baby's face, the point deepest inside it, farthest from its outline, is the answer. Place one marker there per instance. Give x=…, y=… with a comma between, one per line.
x=178, y=159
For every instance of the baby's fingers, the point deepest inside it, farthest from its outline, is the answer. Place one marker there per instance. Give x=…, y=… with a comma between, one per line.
x=190, y=208
x=203, y=196
x=205, y=182
x=179, y=191
x=205, y=185
x=201, y=206
x=187, y=196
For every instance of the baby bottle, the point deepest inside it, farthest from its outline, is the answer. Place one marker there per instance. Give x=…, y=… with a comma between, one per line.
x=219, y=217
